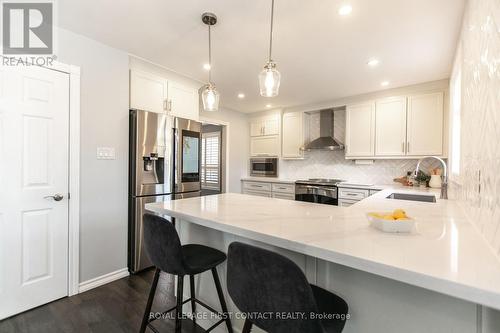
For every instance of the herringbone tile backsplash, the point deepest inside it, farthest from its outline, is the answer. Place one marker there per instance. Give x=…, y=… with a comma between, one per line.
x=478, y=62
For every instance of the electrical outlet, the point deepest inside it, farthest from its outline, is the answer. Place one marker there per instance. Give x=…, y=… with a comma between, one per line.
x=106, y=153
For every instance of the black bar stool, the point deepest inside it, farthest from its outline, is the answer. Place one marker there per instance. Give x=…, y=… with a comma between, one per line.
x=274, y=294
x=168, y=255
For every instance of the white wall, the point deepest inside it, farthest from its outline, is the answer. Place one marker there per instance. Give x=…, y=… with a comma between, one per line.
x=104, y=122
x=239, y=129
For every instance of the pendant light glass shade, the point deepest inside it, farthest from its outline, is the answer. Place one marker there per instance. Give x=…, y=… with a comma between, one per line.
x=209, y=95
x=210, y=98
x=269, y=80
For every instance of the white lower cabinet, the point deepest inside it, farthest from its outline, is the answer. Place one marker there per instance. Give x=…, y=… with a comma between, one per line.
x=346, y=203
x=285, y=196
x=258, y=193
x=268, y=189
x=349, y=196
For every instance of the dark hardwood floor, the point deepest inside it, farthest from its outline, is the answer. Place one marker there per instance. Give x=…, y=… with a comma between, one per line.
x=115, y=307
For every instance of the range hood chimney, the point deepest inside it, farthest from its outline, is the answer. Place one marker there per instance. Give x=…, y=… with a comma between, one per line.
x=326, y=141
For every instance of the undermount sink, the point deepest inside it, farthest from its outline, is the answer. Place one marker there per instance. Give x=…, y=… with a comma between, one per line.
x=412, y=197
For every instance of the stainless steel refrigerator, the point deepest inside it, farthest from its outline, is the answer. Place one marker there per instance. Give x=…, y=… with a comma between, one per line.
x=164, y=164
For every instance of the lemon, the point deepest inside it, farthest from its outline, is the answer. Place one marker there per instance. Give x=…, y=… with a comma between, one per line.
x=399, y=213
x=388, y=217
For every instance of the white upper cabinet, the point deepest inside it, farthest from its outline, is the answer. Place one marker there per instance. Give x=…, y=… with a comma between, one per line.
x=265, y=126
x=425, y=125
x=294, y=134
x=396, y=127
x=360, y=130
x=183, y=101
x=154, y=93
x=148, y=92
x=265, y=146
x=272, y=126
x=390, y=128
x=265, y=136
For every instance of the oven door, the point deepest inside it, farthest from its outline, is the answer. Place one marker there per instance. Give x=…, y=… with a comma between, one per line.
x=264, y=167
x=317, y=194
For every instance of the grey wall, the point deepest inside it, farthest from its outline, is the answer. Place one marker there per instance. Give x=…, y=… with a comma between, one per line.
x=104, y=122
x=238, y=145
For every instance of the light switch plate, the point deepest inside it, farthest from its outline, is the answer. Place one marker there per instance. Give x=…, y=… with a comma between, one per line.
x=106, y=153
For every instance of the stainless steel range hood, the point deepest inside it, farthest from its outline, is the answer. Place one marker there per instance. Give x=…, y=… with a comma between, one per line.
x=326, y=141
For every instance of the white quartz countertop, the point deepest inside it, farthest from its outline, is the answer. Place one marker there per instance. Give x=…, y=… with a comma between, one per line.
x=445, y=254
x=268, y=180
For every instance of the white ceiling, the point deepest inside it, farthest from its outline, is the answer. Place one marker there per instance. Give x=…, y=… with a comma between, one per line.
x=321, y=55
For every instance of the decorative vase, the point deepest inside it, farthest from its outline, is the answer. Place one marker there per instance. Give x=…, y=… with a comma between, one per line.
x=435, y=181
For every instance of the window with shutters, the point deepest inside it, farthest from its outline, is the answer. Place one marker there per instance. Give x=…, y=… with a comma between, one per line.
x=210, y=160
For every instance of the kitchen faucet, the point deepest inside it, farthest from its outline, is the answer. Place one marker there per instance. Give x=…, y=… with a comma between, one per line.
x=444, y=185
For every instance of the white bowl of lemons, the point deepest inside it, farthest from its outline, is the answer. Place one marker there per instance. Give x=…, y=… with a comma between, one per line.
x=395, y=221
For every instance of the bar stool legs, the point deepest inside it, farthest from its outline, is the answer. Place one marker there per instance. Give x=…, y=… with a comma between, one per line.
x=221, y=298
x=247, y=327
x=180, y=293
x=193, y=297
x=145, y=318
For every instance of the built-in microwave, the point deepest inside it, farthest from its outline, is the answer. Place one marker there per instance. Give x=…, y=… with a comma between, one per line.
x=264, y=167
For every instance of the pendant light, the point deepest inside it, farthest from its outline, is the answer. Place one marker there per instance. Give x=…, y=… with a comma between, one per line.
x=269, y=78
x=209, y=95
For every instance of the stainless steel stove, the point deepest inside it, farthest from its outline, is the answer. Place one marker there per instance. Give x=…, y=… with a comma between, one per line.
x=318, y=190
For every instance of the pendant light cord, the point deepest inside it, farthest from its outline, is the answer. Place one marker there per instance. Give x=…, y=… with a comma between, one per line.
x=271, y=32
x=210, y=54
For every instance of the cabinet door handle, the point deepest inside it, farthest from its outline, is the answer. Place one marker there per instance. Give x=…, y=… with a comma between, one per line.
x=408, y=147
x=403, y=146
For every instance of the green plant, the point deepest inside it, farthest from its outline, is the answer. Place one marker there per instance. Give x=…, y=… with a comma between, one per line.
x=422, y=177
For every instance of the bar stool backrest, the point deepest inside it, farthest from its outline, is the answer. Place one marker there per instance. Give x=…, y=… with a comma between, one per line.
x=163, y=245
x=263, y=283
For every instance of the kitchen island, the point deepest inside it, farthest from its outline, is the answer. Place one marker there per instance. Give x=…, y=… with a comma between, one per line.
x=441, y=278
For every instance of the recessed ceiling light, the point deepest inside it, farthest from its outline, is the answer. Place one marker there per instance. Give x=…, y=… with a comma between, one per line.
x=373, y=62
x=345, y=10
x=384, y=83
x=206, y=67
x=268, y=105
x=241, y=95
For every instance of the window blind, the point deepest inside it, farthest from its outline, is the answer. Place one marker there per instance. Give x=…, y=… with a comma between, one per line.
x=210, y=160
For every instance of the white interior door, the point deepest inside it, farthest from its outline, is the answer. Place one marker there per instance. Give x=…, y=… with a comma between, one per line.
x=34, y=126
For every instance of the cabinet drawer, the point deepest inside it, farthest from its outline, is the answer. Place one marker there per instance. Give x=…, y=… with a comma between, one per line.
x=286, y=196
x=352, y=193
x=346, y=202
x=256, y=186
x=258, y=193
x=284, y=188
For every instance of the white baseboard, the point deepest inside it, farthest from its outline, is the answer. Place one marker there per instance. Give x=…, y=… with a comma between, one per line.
x=102, y=280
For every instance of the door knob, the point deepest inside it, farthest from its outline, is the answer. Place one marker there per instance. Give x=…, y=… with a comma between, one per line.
x=56, y=197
